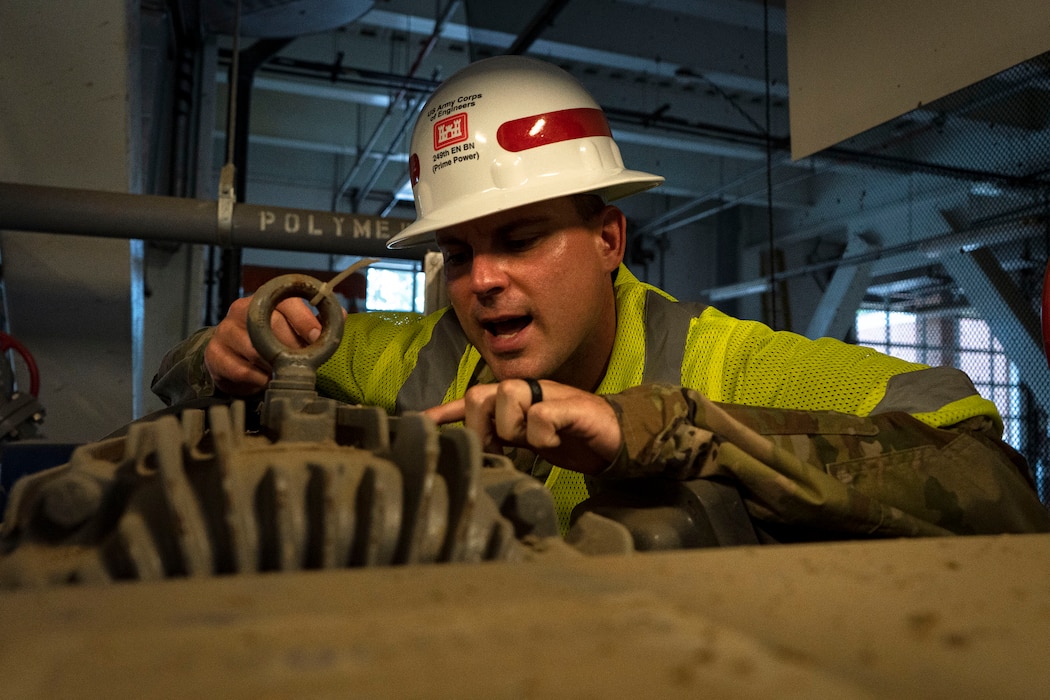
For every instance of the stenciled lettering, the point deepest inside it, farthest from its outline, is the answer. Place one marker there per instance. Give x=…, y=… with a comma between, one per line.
x=316, y=224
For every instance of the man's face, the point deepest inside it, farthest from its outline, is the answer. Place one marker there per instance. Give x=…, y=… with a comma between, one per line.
x=532, y=289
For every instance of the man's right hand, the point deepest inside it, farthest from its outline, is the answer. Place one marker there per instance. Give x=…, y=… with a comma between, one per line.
x=231, y=360
x=574, y=429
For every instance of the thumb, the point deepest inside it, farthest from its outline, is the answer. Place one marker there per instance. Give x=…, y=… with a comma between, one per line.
x=581, y=435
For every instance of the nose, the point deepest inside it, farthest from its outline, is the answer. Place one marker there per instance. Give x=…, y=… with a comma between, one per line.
x=488, y=274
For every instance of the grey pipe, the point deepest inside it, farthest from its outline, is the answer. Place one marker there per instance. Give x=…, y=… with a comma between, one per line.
x=150, y=217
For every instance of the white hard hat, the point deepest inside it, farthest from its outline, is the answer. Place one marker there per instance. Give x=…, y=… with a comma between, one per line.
x=504, y=132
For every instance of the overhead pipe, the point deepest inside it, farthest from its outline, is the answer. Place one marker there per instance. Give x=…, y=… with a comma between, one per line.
x=672, y=219
x=412, y=110
x=41, y=209
x=290, y=67
x=543, y=19
x=403, y=90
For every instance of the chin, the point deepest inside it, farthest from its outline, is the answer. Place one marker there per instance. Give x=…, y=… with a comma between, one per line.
x=516, y=370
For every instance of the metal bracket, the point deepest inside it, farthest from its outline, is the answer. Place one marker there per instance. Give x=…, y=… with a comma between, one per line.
x=227, y=198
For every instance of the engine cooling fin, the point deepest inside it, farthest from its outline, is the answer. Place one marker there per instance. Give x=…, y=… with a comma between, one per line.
x=198, y=495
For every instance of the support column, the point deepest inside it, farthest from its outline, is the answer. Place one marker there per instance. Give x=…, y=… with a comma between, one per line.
x=70, y=119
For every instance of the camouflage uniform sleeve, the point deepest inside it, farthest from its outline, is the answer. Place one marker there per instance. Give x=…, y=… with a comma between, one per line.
x=887, y=474
x=181, y=375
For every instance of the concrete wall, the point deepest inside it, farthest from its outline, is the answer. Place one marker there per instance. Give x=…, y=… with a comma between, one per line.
x=854, y=65
x=68, y=119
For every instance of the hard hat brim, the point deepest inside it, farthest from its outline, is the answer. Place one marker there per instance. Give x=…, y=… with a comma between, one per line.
x=421, y=231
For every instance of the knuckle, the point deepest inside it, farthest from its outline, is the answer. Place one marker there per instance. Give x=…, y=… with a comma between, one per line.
x=508, y=390
x=238, y=308
x=475, y=395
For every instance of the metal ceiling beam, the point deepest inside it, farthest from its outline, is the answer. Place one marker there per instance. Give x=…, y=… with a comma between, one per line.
x=566, y=52
x=311, y=146
x=738, y=14
x=836, y=312
x=539, y=23
x=412, y=106
x=335, y=93
x=906, y=256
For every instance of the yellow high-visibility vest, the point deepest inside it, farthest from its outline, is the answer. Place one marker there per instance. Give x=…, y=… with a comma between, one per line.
x=404, y=362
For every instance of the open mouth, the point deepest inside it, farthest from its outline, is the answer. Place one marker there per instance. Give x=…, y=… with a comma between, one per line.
x=508, y=327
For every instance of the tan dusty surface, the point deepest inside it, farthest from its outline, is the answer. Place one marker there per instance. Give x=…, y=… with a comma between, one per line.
x=960, y=617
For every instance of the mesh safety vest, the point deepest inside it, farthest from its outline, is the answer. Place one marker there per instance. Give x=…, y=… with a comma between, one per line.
x=407, y=362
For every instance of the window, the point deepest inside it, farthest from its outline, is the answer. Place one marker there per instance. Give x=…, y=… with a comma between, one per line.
x=395, y=285
x=966, y=343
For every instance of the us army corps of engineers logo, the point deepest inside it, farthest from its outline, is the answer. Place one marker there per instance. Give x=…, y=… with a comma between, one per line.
x=450, y=130
x=451, y=144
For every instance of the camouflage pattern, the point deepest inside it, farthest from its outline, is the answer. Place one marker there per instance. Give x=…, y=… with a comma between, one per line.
x=181, y=376
x=819, y=474
x=829, y=474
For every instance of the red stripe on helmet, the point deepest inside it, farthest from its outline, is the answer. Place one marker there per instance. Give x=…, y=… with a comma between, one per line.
x=552, y=127
x=413, y=169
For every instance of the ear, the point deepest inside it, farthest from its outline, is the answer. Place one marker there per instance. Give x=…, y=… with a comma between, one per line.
x=613, y=239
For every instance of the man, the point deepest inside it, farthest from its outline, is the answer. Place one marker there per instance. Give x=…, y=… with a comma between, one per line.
x=512, y=167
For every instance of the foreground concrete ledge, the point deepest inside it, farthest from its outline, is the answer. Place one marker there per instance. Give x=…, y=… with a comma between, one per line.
x=951, y=617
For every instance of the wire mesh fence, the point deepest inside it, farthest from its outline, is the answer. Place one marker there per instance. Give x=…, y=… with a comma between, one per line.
x=974, y=168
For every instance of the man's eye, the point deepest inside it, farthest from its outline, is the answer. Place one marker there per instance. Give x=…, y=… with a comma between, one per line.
x=523, y=243
x=456, y=258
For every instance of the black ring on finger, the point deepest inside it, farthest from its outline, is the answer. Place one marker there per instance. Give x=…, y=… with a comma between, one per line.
x=536, y=389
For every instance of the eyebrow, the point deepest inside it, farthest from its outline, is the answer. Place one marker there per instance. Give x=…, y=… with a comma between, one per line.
x=446, y=238
x=513, y=226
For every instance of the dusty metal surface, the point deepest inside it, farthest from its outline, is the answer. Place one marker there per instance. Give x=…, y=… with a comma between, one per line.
x=946, y=618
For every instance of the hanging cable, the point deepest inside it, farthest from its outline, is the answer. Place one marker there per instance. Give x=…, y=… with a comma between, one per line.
x=769, y=169
x=231, y=106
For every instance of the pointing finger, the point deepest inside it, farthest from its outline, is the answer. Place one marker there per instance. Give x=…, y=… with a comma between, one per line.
x=447, y=413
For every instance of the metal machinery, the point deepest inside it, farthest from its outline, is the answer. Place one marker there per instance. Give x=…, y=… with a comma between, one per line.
x=198, y=498
x=20, y=412
x=320, y=485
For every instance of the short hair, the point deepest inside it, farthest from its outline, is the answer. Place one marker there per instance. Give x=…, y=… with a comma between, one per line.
x=588, y=206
